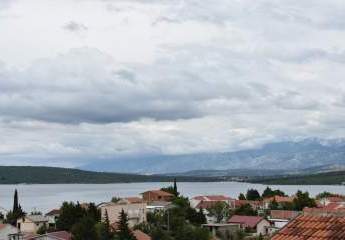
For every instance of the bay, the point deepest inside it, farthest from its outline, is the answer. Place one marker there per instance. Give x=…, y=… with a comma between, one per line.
x=44, y=197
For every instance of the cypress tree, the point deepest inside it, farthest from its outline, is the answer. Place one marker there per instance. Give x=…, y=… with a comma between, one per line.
x=15, y=201
x=175, y=188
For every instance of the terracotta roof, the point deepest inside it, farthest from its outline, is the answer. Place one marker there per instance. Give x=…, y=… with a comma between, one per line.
x=2, y=226
x=313, y=228
x=53, y=212
x=247, y=221
x=160, y=192
x=213, y=198
x=334, y=206
x=133, y=199
x=336, y=199
x=206, y=204
x=324, y=212
x=279, y=199
x=61, y=235
x=139, y=235
x=283, y=214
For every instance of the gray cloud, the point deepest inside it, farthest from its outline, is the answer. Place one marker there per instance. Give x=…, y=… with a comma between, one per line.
x=73, y=26
x=175, y=77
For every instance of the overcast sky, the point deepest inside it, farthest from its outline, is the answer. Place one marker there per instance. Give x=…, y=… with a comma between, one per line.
x=82, y=80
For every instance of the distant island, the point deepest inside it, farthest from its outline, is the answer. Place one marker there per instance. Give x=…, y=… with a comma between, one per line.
x=327, y=178
x=54, y=175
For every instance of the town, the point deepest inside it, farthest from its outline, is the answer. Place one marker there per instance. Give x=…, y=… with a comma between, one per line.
x=164, y=214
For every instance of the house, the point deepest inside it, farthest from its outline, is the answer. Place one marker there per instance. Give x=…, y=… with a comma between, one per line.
x=325, y=211
x=209, y=200
x=222, y=229
x=139, y=235
x=255, y=224
x=53, y=216
x=313, y=227
x=6, y=230
x=332, y=199
x=280, y=200
x=60, y=235
x=32, y=223
x=136, y=212
x=157, y=195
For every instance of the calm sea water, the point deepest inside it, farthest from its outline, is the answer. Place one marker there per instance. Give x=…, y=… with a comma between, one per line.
x=44, y=197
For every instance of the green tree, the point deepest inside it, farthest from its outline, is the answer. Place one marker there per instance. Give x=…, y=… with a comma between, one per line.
x=84, y=229
x=253, y=195
x=303, y=200
x=176, y=193
x=70, y=214
x=42, y=230
x=220, y=211
x=273, y=205
x=245, y=210
x=124, y=233
x=17, y=211
x=242, y=197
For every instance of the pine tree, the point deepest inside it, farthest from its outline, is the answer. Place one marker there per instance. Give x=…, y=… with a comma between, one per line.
x=124, y=233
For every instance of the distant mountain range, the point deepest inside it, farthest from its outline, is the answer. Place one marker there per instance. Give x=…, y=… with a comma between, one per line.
x=306, y=156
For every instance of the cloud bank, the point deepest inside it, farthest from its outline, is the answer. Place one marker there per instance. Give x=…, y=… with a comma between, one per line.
x=162, y=77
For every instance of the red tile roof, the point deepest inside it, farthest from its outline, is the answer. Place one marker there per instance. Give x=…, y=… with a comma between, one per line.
x=279, y=199
x=53, y=212
x=139, y=235
x=206, y=204
x=160, y=193
x=247, y=221
x=133, y=199
x=61, y=235
x=313, y=228
x=283, y=214
x=213, y=198
x=254, y=204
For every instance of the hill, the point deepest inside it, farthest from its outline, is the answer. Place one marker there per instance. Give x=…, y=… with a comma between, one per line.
x=52, y=175
x=289, y=155
x=327, y=178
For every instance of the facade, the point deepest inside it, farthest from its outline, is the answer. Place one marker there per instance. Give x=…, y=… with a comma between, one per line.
x=6, y=230
x=136, y=212
x=255, y=224
x=157, y=195
x=32, y=223
x=158, y=206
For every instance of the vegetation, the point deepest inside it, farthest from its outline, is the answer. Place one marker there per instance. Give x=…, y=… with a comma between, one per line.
x=182, y=222
x=245, y=210
x=220, y=211
x=52, y=175
x=253, y=195
x=329, y=178
x=268, y=192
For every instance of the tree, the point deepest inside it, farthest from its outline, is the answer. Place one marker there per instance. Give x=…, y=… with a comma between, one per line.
x=17, y=211
x=220, y=211
x=70, y=214
x=245, y=210
x=15, y=201
x=241, y=197
x=124, y=233
x=176, y=193
x=84, y=229
x=303, y=200
x=253, y=195
x=42, y=230
x=273, y=205
x=268, y=192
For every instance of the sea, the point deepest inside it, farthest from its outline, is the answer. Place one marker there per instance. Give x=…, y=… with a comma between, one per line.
x=45, y=197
